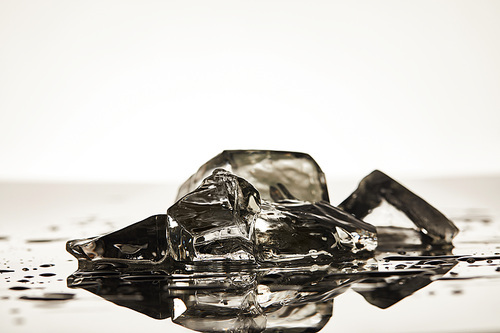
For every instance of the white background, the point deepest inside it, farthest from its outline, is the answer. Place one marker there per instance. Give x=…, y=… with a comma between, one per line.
x=141, y=91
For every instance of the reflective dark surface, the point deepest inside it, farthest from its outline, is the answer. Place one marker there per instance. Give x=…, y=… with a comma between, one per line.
x=40, y=290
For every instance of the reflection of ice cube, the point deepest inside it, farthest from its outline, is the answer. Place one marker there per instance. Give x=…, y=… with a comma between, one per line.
x=264, y=169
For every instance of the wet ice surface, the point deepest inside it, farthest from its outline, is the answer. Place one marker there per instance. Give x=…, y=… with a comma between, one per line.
x=36, y=270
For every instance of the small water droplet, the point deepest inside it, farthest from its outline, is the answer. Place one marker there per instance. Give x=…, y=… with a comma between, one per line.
x=19, y=288
x=50, y=297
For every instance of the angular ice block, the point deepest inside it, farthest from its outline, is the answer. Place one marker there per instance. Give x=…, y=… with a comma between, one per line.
x=215, y=221
x=142, y=242
x=267, y=170
x=377, y=189
x=224, y=219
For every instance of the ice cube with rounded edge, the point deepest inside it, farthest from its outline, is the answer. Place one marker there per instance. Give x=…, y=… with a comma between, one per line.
x=268, y=171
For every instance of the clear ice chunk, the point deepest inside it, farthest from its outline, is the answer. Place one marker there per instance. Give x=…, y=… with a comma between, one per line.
x=141, y=242
x=224, y=218
x=268, y=171
x=377, y=189
x=303, y=231
x=215, y=221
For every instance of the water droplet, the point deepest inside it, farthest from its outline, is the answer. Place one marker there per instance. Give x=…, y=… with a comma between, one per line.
x=50, y=297
x=19, y=288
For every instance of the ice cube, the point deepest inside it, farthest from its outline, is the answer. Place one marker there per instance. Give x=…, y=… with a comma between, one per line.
x=142, y=242
x=378, y=189
x=215, y=221
x=267, y=170
x=225, y=219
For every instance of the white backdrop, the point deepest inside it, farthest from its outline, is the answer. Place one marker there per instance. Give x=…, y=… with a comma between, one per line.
x=149, y=90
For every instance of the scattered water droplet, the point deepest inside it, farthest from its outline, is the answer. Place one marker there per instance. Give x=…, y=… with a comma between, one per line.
x=50, y=297
x=47, y=274
x=19, y=288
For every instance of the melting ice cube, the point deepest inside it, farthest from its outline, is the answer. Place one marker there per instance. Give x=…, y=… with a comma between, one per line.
x=379, y=190
x=224, y=219
x=267, y=170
